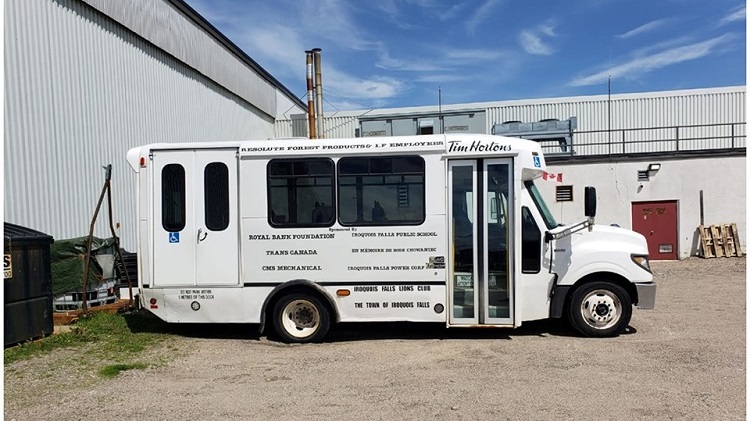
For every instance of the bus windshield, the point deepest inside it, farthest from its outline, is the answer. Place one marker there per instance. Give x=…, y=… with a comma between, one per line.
x=549, y=220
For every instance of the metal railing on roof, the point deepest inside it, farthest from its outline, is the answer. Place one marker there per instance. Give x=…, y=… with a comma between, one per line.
x=649, y=140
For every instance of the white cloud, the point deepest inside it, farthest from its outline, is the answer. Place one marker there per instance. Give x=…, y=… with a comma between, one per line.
x=451, y=13
x=428, y=4
x=276, y=43
x=547, y=29
x=388, y=7
x=385, y=61
x=375, y=87
x=533, y=44
x=280, y=47
x=469, y=57
x=661, y=46
x=646, y=27
x=641, y=65
x=332, y=21
x=442, y=60
x=391, y=9
x=533, y=39
x=282, y=51
x=481, y=14
x=737, y=14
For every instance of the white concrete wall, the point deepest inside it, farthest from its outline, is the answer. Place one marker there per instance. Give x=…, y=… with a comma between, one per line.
x=722, y=179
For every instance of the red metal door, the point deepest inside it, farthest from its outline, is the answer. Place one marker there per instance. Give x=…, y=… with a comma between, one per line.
x=657, y=221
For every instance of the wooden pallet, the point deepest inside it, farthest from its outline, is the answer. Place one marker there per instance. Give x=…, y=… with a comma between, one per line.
x=720, y=241
x=69, y=317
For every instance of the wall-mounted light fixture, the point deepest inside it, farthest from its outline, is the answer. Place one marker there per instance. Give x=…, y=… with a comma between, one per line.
x=653, y=168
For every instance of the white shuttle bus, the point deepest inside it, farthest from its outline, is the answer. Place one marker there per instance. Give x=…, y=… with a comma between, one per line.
x=299, y=234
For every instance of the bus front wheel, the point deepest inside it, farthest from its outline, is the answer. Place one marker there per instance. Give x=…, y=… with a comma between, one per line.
x=300, y=318
x=600, y=309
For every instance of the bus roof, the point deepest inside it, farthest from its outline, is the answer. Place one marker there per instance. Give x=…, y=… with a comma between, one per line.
x=451, y=145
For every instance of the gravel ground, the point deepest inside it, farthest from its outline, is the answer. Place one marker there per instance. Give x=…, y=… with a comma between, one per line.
x=683, y=360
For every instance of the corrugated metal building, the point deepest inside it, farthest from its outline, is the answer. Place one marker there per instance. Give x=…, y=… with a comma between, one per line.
x=697, y=137
x=87, y=80
x=667, y=109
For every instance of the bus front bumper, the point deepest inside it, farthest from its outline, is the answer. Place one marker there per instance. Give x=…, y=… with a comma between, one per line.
x=646, y=295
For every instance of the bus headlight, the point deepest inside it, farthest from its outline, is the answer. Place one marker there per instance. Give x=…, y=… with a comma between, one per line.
x=642, y=261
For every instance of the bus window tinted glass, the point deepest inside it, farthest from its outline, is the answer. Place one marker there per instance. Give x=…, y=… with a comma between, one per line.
x=173, y=197
x=300, y=192
x=381, y=191
x=531, y=243
x=216, y=196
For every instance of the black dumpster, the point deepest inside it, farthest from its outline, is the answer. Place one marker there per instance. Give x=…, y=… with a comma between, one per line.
x=28, y=284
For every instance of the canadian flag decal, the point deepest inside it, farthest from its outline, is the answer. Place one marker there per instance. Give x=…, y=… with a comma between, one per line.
x=552, y=177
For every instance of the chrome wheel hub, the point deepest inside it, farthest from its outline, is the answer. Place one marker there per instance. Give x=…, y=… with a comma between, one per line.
x=601, y=309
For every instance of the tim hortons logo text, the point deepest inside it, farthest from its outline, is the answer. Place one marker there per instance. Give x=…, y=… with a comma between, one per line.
x=477, y=146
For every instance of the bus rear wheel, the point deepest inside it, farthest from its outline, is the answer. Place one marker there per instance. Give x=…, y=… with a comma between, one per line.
x=600, y=309
x=300, y=318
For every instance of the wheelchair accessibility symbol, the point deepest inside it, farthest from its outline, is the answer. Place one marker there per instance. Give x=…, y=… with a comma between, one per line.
x=537, y=162
x=174, y=237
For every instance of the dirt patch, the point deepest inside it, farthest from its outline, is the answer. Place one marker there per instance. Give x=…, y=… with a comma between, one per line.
x=685, y=359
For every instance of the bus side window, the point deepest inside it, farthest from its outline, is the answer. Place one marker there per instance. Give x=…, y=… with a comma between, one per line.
x=300, y=192
x=531, y=243
x=381, y=190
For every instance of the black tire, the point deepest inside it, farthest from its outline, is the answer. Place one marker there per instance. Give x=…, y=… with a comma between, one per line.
x=300, y=318
x=599, y=309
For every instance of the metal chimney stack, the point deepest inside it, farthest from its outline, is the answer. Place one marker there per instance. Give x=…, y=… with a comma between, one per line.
x=318, y=92
x=310, y=96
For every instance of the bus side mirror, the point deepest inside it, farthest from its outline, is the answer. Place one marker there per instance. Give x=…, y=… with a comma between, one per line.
x=589, y=198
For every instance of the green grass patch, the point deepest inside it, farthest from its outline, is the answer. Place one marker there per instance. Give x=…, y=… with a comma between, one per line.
x=111, y=338
x=115, y=369
x=76, y=337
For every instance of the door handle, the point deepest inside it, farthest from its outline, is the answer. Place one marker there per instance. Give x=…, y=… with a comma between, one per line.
x=200, y=230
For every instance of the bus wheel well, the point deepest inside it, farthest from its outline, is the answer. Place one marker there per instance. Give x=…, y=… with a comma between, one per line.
x=607, y=277
x=563, y=293
x=293, y=287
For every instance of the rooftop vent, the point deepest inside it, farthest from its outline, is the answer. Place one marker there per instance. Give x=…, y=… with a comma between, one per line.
x=549, y=129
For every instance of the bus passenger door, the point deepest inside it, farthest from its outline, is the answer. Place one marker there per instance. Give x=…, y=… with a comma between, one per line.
x=195, y=227
x=481, y=227
x=217, y=222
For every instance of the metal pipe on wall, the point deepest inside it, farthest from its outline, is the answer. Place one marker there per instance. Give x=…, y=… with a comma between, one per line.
x=318, y=91
x=310, y=96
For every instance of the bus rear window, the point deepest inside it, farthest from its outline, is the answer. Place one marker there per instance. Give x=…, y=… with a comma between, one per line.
x=173, y=197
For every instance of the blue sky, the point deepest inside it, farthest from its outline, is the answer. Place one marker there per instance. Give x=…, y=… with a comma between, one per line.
x=397, y=53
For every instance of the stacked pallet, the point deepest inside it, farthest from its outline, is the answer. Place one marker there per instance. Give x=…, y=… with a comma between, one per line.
x=720, y=240
x=131, y=269
x=70, y=317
